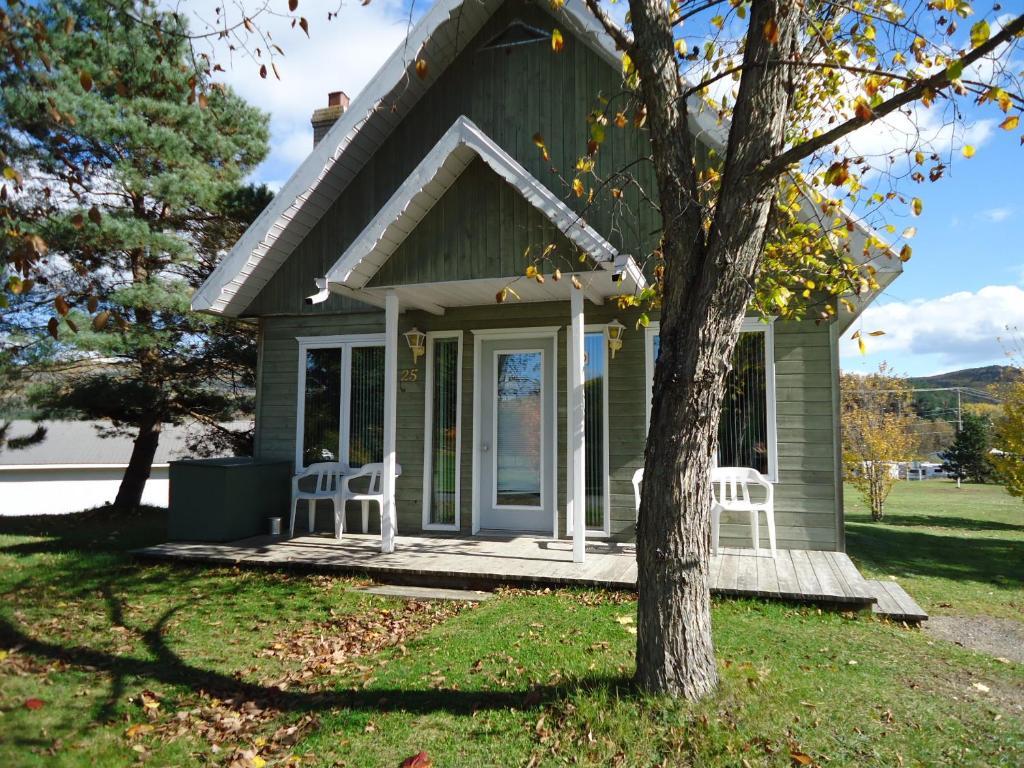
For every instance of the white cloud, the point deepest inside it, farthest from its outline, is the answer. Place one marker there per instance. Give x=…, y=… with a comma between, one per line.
x=995, y=215
x=960, y=329
x=342, y=54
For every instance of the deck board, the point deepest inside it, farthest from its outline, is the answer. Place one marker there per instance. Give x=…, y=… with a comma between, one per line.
x=487, y=561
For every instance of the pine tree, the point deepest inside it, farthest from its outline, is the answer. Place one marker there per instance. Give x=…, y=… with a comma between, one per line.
x=968, y=457
x=136, y=160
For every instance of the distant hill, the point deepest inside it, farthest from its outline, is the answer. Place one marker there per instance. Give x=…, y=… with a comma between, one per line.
x=978, y=378
x=942, y=405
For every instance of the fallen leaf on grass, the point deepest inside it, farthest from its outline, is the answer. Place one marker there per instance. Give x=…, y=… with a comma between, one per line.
x=801, y=758
x=419, y=760
x=33, y=704
x=981, y=687
x=624, y=619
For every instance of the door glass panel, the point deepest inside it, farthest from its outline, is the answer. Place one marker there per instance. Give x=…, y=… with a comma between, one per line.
x=443, y=459
x=322, y=415
x=518, y=401
x=366, y=407
x=593, y=392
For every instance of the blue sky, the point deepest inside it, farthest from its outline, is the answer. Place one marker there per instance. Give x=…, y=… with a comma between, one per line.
x=964, y=284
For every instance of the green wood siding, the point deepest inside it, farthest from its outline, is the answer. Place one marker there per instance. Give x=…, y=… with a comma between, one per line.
x=491, y=242
x=511, y=94
x=806, y=510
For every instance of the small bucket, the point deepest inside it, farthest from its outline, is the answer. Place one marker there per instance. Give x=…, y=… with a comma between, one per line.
x=275, y=525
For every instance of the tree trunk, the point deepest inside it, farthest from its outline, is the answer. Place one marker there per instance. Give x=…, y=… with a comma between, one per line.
x=129, y=495
x=708, y=284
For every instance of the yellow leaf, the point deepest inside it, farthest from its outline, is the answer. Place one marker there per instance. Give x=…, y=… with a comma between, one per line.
x=557, y=41
x=909, y=232
x=916, y=206
x=968, y=150
x=771, y=31
x=861, y=345
x=577, y=187
x=863, y=111
x=1010, y=123
x=257, y=761
x=719, y=22
x=421, y=69
x=905, y=253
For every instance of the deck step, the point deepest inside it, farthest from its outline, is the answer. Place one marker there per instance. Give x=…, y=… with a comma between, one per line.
x=895, y=604
x=425, y=593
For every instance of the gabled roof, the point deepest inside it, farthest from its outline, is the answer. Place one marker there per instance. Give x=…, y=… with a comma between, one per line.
x=389, y=96
x=434, y=175
x=438, y=38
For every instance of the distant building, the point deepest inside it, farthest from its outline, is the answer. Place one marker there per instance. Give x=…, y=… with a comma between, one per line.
x=75, y=468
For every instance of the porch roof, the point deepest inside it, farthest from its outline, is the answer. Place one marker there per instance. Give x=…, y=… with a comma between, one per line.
x=612, y=273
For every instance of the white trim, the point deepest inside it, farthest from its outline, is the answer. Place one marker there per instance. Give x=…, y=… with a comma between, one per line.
x=225, y=291
x=44, y=467
x=576, y=427
x=388, y=512
x=345, y=344
x=606, y=529
x=750, y=325
x=488, y=334
x=428, y=418
x=435, y=174
x=494, y=432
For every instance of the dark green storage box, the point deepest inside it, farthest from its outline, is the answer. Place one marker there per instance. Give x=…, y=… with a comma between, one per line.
x=226, y=499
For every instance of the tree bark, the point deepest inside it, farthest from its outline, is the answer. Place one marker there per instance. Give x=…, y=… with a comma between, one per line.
x=129, y=494
x=708, y=284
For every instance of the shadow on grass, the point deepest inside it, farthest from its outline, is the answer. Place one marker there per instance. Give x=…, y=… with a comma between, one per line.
x=165, y=666
x=103, y=529
x=936, y=521
x=986, y=560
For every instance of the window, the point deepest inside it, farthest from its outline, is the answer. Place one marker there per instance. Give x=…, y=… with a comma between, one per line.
x=340, y=400
x=517, y=33
x=442, y=430
x=747, y=431
x=595, y=433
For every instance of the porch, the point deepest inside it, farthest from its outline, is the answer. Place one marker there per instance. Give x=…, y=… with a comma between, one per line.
x=482, y=562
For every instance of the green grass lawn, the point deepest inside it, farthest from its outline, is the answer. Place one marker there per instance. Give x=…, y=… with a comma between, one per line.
x=957, y=551
x=109, y=662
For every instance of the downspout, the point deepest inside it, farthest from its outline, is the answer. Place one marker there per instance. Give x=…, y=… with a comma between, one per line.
x=837, y=437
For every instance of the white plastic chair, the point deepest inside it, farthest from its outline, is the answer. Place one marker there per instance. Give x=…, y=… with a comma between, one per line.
x=638, y=481
x=374, y=493
x=730, y=492
x=327, y=485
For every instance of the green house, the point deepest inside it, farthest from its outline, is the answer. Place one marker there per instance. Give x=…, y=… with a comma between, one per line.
x=397, y=323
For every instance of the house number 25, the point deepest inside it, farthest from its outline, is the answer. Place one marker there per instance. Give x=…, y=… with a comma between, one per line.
x=410, y=374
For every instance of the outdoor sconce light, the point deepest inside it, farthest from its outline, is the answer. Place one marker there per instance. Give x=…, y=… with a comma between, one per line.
x=415, y=339
x=613, y=332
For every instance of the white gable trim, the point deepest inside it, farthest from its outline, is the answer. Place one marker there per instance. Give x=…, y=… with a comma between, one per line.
x=435, y=174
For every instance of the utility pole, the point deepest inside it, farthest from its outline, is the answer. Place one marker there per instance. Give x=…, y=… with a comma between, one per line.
x=959, y=422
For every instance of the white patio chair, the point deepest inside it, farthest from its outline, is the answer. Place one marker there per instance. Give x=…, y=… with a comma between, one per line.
x=730, y=492
x=638, y=482
x=374, y=492
x=327, y=475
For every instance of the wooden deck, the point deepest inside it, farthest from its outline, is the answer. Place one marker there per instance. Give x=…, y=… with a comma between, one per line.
x=483, y=562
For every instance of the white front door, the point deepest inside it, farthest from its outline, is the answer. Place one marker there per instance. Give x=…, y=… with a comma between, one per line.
x=516, y=410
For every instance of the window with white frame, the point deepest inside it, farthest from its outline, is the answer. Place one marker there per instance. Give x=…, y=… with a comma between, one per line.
x=442, y=431
x=595, y=465
x=340, y=400
x=747, y=430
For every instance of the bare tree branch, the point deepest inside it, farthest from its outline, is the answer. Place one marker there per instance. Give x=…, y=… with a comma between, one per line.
x=934, y=83
x=623, y=40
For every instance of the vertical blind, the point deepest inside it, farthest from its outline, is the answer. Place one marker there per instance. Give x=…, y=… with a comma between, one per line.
x=366, y=407
x=322, y=427
x=321, y=422
x=444, y=422
x=743, y=430
x=594, y=471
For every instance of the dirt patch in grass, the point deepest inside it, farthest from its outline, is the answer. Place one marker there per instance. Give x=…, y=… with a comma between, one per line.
x=1002, y=638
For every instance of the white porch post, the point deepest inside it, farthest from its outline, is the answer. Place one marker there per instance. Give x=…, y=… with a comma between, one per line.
x=388, y=518
x=575, y=428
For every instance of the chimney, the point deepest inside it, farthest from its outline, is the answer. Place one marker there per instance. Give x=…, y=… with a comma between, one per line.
x=324, y=118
